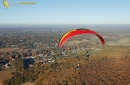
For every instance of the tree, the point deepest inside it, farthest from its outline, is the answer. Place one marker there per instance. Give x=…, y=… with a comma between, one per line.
x=17, y=63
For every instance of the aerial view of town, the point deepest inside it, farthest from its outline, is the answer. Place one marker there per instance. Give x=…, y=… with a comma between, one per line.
x=65, y=42
x=34, y=56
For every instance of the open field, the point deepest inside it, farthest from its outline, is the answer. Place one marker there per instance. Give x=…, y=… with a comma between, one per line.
x=29, y=83
x=75, y=42
x=6, y=50
x=112, y=51
x=4, y=75
x=123, y=41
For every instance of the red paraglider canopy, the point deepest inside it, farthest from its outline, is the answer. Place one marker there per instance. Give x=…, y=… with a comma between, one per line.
x=74, y=32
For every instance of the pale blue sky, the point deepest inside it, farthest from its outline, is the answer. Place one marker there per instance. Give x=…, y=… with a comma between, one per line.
x=68, y=12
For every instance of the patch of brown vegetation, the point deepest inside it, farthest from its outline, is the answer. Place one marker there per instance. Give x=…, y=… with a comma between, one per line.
x=4, y=75
x=5, y=50
x=29, y=83
x=92, y=72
